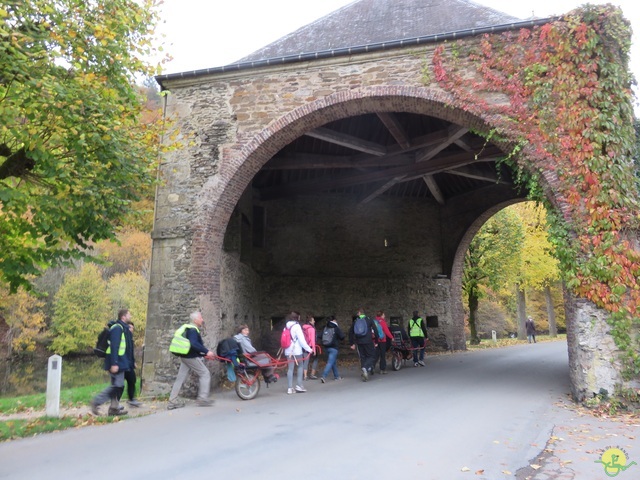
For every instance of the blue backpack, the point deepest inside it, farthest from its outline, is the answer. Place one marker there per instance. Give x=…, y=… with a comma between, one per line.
x=360, y=327
x=378, y=329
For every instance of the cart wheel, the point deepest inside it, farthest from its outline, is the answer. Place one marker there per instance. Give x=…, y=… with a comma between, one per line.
x=396, y=361
x=247, y=388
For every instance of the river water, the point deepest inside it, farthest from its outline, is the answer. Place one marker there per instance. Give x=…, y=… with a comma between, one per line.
x=29, y=376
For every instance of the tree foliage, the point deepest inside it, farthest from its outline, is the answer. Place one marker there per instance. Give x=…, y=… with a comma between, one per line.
x=131, y=252
x=81, y=309
x=73, y=149
x=491, y=260
x=130, y=290
x=539, y=267
x=23, y=313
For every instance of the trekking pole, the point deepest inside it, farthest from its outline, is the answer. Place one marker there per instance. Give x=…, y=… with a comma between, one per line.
x=141, y=369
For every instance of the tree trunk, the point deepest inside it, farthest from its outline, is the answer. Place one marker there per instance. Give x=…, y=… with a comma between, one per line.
x=551, y=314
x=473, y=311
x=522, y=312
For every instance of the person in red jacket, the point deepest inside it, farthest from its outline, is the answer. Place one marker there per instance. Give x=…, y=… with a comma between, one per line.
x=383, y=344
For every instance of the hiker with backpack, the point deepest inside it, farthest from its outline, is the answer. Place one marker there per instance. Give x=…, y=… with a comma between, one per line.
x=187, y=345
x=382, y=333
x=361, y=340
x=309, y=331
x=116, y=362
x=418, y=335
x=331, y=338
x=294, y=344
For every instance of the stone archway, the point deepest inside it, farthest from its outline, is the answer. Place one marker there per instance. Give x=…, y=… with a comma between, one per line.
x=238, y=120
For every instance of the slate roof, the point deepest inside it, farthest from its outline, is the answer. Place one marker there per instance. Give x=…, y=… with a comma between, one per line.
x=366, y=22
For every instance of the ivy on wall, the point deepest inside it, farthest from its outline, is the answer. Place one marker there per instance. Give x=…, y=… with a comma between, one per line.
x=560, y=96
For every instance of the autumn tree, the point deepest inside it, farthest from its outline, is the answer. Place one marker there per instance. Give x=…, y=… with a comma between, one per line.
x=23, y=313
x=74, y=151
x=490, y=260
x=131, y=252
x=539, y=268
x=130, y=290
x=81, y=309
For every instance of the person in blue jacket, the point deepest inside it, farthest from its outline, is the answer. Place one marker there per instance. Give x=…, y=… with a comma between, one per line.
x=192, y=361
x=116, y=362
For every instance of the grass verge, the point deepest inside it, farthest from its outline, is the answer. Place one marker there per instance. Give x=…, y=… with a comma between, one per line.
x=13, y=429
x=68, y=398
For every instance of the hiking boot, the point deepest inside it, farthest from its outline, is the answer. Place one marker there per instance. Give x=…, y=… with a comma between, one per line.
x=300, y=389
x=135, y=403
x=421, y=363
x=174, y=405
x=205, y=403
x=113, y=412
x=322, y=379
x=95, y=410
x=289, y=391
x=365, y=374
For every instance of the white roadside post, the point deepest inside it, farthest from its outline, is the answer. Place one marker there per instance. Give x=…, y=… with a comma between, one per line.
x=54, y=378
x=494, y=336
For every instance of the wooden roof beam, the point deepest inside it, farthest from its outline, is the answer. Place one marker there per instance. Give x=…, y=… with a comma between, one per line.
x=433, y=187
x=391, y=122
x=455, y=132
x=348, y=141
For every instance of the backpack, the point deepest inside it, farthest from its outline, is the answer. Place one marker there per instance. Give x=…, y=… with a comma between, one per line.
x=228, y=348
x=102, y=343
x=360, y=327
x=285, y=338
x=379, y=330
x=328, y=335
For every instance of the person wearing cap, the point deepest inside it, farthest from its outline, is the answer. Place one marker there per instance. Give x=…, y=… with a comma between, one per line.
x=418, y=334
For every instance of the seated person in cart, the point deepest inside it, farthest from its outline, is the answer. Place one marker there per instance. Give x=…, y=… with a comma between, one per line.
x=261, y=359
x=400, y=337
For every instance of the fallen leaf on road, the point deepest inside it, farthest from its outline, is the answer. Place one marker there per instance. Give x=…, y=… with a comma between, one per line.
x=506, y=472
x=479, y=472
x=465, y=469
x=535, y=467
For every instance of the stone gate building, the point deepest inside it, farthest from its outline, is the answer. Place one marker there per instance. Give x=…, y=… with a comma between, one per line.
x=329, y=171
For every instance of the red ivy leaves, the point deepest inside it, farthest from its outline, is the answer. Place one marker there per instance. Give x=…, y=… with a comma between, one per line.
x=570, y=101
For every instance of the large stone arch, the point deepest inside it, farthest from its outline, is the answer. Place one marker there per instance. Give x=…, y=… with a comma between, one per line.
x=241, y=162
x=239, y=120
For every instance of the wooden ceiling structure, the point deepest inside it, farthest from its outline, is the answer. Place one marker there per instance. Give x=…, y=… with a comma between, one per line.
x=387, y=153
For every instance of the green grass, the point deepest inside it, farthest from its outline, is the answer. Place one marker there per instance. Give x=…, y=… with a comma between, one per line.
x=68, y=398
x=13, y=429
x=71, y=397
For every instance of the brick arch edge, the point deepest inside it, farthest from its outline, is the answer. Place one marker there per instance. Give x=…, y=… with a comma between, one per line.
x=241, y=161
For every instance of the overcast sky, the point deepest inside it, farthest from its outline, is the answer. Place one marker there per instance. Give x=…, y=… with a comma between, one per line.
x=210, y=33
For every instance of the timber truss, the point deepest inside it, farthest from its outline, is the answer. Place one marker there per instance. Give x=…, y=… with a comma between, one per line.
x=397, y=154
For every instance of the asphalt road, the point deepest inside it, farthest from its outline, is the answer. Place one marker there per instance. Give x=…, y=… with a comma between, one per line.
x=482, y=415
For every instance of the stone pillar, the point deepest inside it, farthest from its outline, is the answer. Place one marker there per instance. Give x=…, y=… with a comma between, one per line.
x=593, y=355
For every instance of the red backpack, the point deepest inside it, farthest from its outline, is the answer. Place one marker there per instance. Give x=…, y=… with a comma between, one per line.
x=285, y=338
